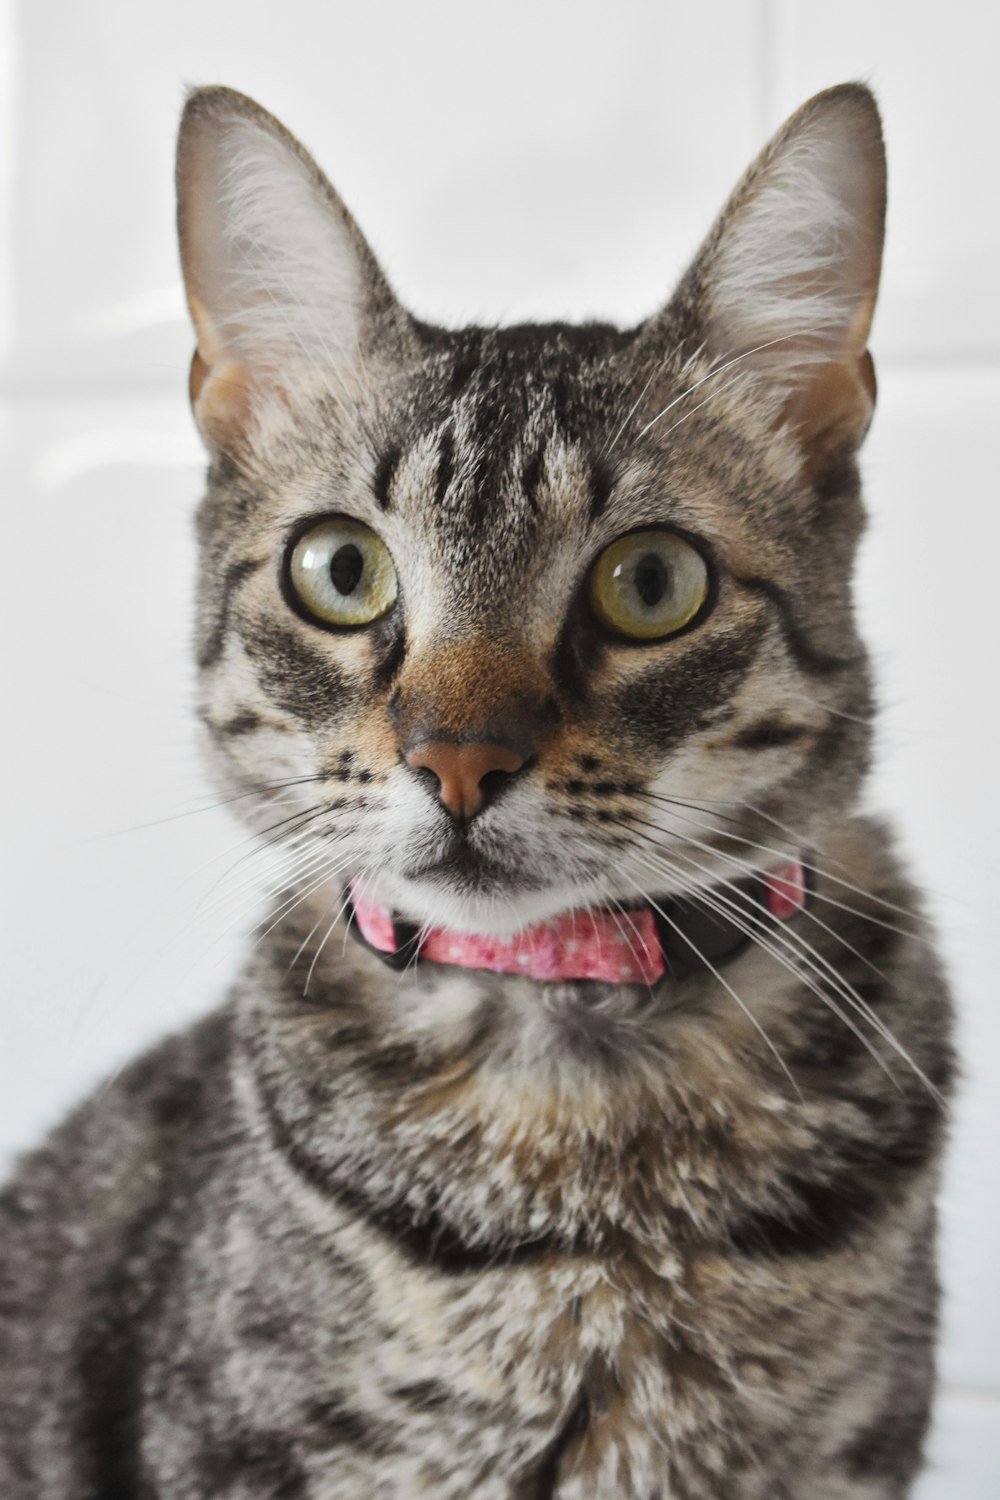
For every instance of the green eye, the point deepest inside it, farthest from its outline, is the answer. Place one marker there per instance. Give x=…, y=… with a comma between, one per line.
x=341, y=573
x=648, y=585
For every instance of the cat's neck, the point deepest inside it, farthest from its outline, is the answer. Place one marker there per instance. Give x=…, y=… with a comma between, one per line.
x=405, y=1081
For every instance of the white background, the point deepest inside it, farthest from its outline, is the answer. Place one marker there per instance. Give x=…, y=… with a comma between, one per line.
x=506, y=161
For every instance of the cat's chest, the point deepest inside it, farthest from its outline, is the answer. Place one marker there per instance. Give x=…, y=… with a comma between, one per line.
x=609, y=1373
x=498, y=1380
x=600, y=1335
x=500, y=1273
x=386, y=1378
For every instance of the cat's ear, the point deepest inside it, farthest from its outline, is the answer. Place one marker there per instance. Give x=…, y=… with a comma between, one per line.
x=786, y=282
x=282, y=288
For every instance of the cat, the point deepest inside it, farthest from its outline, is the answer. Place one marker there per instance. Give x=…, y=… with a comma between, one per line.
x=574, y=1127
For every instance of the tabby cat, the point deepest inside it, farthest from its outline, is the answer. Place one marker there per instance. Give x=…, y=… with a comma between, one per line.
x=573, y=1129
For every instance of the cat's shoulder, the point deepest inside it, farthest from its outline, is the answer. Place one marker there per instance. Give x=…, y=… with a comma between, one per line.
x=120, y=1152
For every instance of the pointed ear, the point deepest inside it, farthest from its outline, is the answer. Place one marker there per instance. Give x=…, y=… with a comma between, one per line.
x=786, y=281
x=280, y=283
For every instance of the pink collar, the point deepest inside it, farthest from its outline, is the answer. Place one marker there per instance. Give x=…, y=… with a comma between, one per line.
x=618, y=947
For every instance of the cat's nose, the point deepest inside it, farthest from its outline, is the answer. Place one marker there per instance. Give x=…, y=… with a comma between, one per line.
x=464, y=771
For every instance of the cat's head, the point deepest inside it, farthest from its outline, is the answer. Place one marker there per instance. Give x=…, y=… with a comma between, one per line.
x=512, y=621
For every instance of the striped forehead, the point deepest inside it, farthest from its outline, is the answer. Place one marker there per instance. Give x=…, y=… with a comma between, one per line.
x=504, y=426
x=499, y=484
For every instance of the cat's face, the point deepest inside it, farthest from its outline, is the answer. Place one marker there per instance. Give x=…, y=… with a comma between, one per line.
x=512, y=622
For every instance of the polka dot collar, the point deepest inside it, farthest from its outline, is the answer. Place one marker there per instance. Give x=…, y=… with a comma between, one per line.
x=636, y=946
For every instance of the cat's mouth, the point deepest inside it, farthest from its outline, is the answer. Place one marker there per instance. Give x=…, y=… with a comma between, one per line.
x=471, y=870
x=468, y=893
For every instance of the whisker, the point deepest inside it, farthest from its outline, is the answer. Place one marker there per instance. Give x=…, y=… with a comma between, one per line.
x=638, y=957
x=808, y=954
x=712, y=396
x=727, y=987
x=758, y=932
x=657, y=369
x=304, y=944
x=818, y=870
x=284, y=834
x=757, y=928
x=839, y=713
x=326, y=937
x=720, y=370
x=294, y=864
x=289, y=849
x=296, y=899
x=261, y=894
x=733, y=859
x=264, y=789
x=765, y=936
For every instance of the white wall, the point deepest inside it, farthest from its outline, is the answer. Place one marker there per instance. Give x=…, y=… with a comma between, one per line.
x=506, y=161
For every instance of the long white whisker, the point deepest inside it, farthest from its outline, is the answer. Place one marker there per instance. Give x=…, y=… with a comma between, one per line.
x=720, y=370
x=301, y=849
x=634, y=408
x=329, y=872
x=326, y=937
x=265, y=790
x=838, y=713
x=803, y=950
x=728, y=988
x=638, y=957
x=712, y=396
x=748, y=869
x=759, y=933
x=817, y=870
x=280, y=849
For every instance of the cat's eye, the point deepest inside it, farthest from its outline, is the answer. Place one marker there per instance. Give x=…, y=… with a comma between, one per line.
x=649, y=584
x=340, y=573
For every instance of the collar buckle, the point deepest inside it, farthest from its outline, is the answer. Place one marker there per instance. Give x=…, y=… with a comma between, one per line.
x=406, y=938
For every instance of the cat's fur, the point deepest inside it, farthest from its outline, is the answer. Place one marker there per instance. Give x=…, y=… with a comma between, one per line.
x=475, y=1237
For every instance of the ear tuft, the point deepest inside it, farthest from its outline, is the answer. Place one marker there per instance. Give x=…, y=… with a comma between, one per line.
x=280, y=282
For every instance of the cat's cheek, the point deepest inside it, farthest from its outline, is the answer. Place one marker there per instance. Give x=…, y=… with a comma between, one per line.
x=658, y=708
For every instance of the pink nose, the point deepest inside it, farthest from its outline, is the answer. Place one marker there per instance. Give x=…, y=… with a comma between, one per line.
x=460, y=770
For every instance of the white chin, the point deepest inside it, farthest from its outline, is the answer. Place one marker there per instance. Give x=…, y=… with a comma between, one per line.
x=426, y=902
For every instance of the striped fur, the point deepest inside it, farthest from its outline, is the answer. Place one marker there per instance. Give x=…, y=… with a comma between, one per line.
x=476, y=1237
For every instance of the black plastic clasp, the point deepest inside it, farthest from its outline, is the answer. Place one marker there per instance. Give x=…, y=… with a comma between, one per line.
x=694, y=935
x=406, y=936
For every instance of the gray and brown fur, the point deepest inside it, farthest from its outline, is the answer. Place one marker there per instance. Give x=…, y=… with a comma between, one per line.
x=471, y=1236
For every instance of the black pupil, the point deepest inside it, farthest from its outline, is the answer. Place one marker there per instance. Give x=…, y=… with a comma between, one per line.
x=651, y=579
x=346, y=567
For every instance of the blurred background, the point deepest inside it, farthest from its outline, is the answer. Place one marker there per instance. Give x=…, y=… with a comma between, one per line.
x=506, y=162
